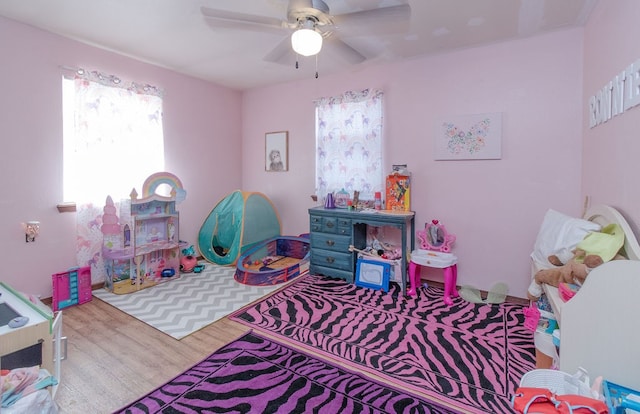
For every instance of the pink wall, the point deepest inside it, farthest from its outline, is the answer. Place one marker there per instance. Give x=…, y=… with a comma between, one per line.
x=202, y=145
x=611, y=150
x=496, y=206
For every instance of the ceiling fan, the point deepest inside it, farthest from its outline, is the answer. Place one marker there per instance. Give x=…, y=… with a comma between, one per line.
x=310, y=25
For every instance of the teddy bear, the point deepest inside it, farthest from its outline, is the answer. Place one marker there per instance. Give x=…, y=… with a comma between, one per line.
x=574, y=271
x=595, y=249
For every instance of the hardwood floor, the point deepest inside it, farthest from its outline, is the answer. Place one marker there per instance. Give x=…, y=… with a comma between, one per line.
x=113, y=358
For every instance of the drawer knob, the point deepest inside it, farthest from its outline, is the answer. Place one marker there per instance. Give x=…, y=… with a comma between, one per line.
x=330, y=242
x=330, y=260
x=330, y=224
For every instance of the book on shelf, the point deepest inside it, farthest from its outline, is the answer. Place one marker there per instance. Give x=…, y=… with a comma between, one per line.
x=547, y=322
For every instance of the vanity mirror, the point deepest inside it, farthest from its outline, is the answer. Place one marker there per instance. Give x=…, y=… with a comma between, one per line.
x=435, y=237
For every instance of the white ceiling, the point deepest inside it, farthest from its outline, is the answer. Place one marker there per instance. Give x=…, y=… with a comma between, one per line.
x=174, y=33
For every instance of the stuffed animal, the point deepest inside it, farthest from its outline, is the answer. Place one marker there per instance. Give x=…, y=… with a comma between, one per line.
x=574, y=271
x=595, y=249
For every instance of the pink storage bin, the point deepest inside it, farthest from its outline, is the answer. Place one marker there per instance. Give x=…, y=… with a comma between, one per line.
x=72, y=287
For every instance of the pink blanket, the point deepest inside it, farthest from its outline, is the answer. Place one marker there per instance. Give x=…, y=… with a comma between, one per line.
x=19, y=382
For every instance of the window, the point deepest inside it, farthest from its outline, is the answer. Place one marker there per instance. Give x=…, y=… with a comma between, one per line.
x=113, y=141
x=349, y=144
x=113, y=137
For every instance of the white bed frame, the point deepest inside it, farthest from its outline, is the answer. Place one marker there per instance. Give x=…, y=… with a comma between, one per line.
x=600, y=325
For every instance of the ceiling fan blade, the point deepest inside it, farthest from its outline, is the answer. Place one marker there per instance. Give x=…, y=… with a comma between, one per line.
x=392, y=19
x=343, y=50
x=215, y=24
x=225, y=18
x=282, y=53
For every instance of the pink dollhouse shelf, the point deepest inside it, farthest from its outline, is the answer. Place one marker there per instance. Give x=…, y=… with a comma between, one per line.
x=72, y=287
x=121, y=254
x=118, y=254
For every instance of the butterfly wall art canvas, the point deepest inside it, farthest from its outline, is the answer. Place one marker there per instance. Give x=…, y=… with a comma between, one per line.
x=469, y=137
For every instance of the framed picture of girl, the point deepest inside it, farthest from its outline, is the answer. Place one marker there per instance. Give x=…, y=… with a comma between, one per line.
x=276, y=151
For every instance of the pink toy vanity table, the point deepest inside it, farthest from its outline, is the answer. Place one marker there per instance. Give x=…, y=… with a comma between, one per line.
x=435, y=247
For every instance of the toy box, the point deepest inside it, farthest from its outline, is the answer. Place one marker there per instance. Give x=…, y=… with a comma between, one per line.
x=72, y=287
x=619, y=399
x=398, y=192
x=395, y=266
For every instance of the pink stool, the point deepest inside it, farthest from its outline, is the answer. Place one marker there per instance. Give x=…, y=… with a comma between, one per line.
x=438, y=260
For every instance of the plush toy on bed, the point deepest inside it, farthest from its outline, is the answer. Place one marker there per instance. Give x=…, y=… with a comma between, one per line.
x=596, y=248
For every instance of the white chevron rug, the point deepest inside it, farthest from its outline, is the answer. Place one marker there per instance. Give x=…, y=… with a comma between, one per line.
x=195, y=300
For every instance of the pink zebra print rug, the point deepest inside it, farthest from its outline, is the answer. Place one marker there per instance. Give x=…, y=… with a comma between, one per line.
x=256, y=375
x=472, y=355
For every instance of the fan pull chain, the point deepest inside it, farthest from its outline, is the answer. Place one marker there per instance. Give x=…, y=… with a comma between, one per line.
x=298, y=65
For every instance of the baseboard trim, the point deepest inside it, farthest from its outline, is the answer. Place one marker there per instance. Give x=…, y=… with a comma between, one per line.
x=510, y=299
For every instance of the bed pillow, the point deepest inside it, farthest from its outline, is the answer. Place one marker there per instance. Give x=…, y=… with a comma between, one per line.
x=559, y=235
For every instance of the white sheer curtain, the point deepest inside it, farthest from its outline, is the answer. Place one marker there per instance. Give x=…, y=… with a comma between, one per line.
x=113, y=140
x=349, y=143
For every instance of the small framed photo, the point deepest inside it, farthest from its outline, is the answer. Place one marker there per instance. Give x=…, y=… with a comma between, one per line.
x=276, y=151
x=373, y=274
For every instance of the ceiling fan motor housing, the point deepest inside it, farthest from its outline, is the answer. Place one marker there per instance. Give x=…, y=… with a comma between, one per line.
x=300, y=11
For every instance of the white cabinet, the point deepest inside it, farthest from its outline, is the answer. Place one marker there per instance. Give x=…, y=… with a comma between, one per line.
x=599, y=324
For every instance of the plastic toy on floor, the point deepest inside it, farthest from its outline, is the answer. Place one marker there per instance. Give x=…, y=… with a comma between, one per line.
x=188, y=261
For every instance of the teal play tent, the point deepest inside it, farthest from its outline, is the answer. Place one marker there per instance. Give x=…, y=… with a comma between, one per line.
x=236, y=223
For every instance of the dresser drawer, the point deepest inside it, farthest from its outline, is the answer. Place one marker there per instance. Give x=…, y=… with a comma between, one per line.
x=335, y=260
x=344, y=226
x=332, y=225
x=315, y=223
x=334, y=242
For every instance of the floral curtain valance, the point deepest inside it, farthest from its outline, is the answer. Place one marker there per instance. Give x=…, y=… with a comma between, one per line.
x=350, y=97
x=114, y=81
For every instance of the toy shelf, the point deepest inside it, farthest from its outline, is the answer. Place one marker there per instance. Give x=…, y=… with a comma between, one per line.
x=121, y=254
x=118, y=254
x=72, y=287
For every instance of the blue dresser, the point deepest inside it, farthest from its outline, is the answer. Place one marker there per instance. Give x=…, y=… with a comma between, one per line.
x=332, y=231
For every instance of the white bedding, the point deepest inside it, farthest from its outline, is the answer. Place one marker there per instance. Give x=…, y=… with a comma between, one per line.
x=559, y=235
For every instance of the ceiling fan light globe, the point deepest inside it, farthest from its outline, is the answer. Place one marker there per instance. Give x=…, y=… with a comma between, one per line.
x=306, y=42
